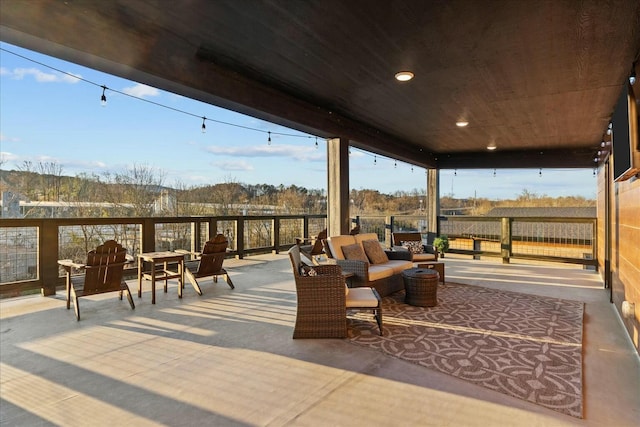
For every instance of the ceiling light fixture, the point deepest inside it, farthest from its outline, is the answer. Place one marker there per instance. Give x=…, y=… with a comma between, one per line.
x=404, y=76
x=461, y=123
x=491, y=146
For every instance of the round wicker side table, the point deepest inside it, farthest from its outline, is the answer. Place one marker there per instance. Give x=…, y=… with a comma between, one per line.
x=421, y=287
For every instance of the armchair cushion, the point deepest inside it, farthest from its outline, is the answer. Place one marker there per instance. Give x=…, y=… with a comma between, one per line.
x=362, y=297
x=415, y=247
x=354, y=252
x=307, y=270
x=374, y=252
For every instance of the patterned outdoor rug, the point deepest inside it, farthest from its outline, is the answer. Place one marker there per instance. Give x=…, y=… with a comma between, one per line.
x=522, y=345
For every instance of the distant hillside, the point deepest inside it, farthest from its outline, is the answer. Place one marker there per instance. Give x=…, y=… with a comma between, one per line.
x=137, y=193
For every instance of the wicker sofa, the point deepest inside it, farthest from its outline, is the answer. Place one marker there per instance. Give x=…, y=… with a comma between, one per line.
x=385, y=276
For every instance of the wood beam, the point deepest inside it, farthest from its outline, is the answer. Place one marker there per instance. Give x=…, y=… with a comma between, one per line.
x=558, y=158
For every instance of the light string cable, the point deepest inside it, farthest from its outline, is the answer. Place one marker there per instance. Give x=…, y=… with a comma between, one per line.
x=198, y=116
x=375, y=158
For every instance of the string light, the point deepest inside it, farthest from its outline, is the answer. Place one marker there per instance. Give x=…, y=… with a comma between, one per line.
x=375, y=160
x=540, y=173
x=103, y=98
x=395, y=164
x=494, y=173
x=455, y=172
x=594, y=171
x=411, y=169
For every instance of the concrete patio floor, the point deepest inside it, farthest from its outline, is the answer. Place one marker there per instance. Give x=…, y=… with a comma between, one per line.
x=227, y=358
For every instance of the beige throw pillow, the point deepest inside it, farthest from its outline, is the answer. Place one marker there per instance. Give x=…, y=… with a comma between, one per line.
x=354, y=252
x=374, y=252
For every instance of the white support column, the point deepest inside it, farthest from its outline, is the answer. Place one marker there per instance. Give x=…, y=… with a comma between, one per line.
x=338, y=220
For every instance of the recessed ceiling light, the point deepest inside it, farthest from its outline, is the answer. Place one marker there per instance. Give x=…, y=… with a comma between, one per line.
x=404, y=76
x=491, y=146
x=461, y=123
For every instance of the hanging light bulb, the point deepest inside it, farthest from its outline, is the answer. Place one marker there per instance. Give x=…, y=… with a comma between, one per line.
x=455, y=172
x=395, y=164
x=494, y=173
x=269, y=139
x=411, y=169
x=594, y=171
x=204, y=127
x=316, y=142
x=375, y=160
x=103, y=98
x=609, y=128
x=540, y=173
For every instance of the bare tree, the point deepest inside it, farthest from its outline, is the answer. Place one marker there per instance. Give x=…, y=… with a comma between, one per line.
x=136, y=190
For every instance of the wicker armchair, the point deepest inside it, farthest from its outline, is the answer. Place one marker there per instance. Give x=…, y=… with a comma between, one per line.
x=429, y=252
x=323, y=300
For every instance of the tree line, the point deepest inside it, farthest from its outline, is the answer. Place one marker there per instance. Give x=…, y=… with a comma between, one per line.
x=137, y=191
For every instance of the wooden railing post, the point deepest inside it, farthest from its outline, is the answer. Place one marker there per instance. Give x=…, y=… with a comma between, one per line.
x=148, y=235
x=305, y=226
x=239, y=227
x=388, y=229
x=196, y=244
x=506, y=248
x=275, y=238
x=48, y=254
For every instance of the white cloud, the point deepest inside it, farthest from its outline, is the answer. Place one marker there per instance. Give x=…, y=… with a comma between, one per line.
x=41, y=76
x=297, y=152
x=5, y=156
x=140, y=91
x=240, y=165
x=4, y=138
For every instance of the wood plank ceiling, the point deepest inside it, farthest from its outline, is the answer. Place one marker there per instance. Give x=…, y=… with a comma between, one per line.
x=539, y=79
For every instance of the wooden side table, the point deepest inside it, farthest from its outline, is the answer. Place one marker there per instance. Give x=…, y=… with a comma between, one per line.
x=165, y=274
x=437, y=266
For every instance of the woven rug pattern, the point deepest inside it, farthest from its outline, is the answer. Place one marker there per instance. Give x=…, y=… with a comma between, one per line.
x=522, y=345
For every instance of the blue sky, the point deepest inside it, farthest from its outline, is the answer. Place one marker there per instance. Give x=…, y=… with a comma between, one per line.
x=48, y=116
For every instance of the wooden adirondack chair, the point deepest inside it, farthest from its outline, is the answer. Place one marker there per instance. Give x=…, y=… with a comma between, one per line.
x=102, y=273
x=312, y=247
x=208, y=263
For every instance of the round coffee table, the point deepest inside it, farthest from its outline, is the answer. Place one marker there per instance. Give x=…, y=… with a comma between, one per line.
x=421, y=287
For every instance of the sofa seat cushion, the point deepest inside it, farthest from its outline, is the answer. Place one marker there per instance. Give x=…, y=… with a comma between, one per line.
x=361, y=297
x=398, y=266
x=380, y=271
x=337, y=242
x=424, y=257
